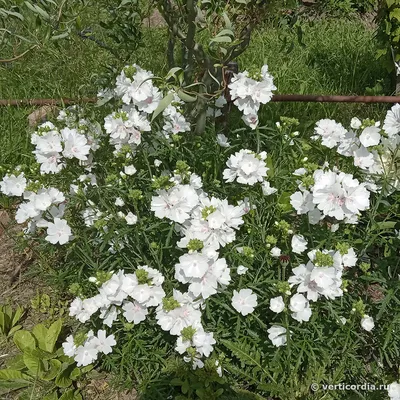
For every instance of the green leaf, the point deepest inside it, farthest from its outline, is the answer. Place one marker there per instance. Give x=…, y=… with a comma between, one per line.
x=13, y=14
x=24, y=340
x=186, y=97
x=63, y=380
x=60, y=36
x=14, y=329
x=164, y=103
x=172, y=72
x=17, y=362
x=75, y=374
x=34, y=364
x=51, y=396
x=11, y=374
x=18, y=313
x=222, y=39
x=69, y=395
x=40, y=333
x=55, y=367
x=37, y=10
x=395, y=14
x=14, y=385
x=52, y=335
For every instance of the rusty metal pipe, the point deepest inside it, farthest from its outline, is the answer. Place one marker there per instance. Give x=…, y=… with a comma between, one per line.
x=302, y=98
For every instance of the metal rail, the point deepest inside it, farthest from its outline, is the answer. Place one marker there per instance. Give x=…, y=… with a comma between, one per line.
x=301, y=98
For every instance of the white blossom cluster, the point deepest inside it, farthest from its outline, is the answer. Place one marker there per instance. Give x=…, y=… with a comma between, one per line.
x=248, y=94
x=206, y=224
x=45, y=209
x=132, y=293
x=334, y=194
x=372, y=147
x=86, y=353
x=53, y=147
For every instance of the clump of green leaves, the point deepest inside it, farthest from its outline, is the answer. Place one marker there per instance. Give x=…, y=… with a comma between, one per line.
x=41, y=370
x=9, y=319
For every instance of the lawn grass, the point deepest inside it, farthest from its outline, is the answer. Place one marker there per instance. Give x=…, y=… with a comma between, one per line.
x=338, y=58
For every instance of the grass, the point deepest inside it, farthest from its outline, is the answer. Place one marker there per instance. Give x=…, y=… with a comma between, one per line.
x=338, y=58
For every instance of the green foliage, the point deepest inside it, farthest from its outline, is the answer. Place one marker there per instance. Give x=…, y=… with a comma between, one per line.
x=9, y=320
x=41, y=370
x=388, y=33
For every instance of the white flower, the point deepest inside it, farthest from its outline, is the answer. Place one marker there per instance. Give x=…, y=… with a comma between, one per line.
x=131, y=218
x=157, y=163
x=58, y=232
x=12, y=185
x=245, y=167
x=277, y=335
x=275, y=252
x=85, y=355
x=277, y=304
x=241, y=270
x=222, y=140
x=355, y=123
x=299, y=244
x=134, y=312
x=130, y=170
x=350, y=258
x=193, y=265
x=370, y=136
x=391, y=124
x=267, y=189
x=75, y=144
x=394, y=391
x=69, y=347
x=119, y=202
x=175, y=204
x=300, y=172
x=103, y=343
x=244, y=301
x=300, y=307
x=330, y=131
x=367, y=323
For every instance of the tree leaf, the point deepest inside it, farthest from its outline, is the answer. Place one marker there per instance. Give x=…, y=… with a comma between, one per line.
x=186, y=97
x=24, y=340
x=164, y=103
x=52, y=335
x=222, y=39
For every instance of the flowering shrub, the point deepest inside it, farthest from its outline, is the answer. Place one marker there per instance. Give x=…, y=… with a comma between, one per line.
x=265, y=257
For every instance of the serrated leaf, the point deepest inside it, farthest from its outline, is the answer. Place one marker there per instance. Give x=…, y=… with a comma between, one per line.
x=52, y=335
x=24, y=340
x=164, y=103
